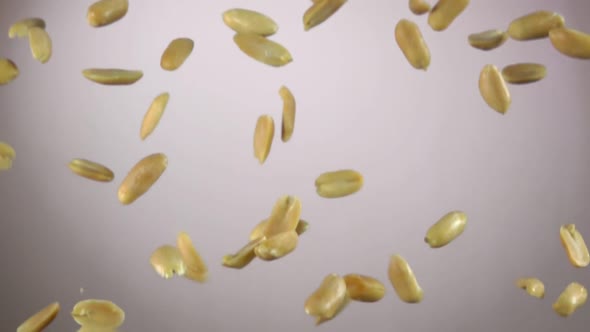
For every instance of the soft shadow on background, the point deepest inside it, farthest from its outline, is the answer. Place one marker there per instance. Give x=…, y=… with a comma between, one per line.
x=425, y=142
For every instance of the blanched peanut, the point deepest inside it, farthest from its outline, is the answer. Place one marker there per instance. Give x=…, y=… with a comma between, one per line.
x=142, y=177
x=523, y=73
x=339, y=183
x=40, y=320
x=277, y=246
x=488, y=39
x=364, y=288
x=493, y=89
x=446, y=229
x=167, y=261
x=319, y=12
x=112, y=76
x=419, y=7
x=249, y=21
x=263, y=137
x=40, y=44
x=21, y=28
x=263, y=50
x=196, y=269
x=152, y=117
x=411, y=42
x=176, y=53
x=328, y=299
x=98, y=313
x=289, y=108
x=284, y=216
x=534, y=25
x=570, y=42
x=574, y=245
x=445, y=12
x=105, y=12
x=403, y=280
x=91, y=170
x=572, y=298
x=533, y=286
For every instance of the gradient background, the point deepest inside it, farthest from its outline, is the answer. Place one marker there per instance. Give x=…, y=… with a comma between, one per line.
x=425, y=141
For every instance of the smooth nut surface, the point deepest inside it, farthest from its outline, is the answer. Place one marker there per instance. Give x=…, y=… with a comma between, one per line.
x=319, y=12
x=264, y=133
x=249, y=21
x=523, y=73
x=277, y=246
x=289, y=109
x=403, y=280
x=572, y=298
x=487, y=40
x=105, y=12
x=445, y=12
x=91, y=170
x=284, y=216
x=339, y=183
x=98, y=313
x=196, y=269
x=571, y=42
x=142, y=177
x=411, y=42
x=152, y=117
x=7, y=156
x=363, y=288
x=244, y=256
x=574, y=245
x=20, y=29
x=263, y=50
x=419, y=7
x=446, y=229
x=328, y=299
x=167, y=261
x=40, y=44
x=112, y=76
x=534, y=25
x=176, y=53
x=493, y=89
x=8, y=71
x=41, y=319
x=533, y=286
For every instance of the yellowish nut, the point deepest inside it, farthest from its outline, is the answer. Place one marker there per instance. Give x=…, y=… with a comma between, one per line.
x=339, y=183
x=570, y=42
x=572, y=298
x=196, y=269
x=105, y=12
x=488, y=39
x=249, y=21
x=574, y=245
x=419, y=7
x=263, y=137
x=411, y=42
x=176, y=53
x=277, y=246
x=112, y=76
x=259, y=230
x=328, y=299
x=289, y=108
x=167, y=261
x=534, y=25
x=91, y=170
x=445, y=12
x=404, y=281
x=319, y=319
x=40, y=44
x=364, y=288
x=20, y=29
x=98, y=313
x=262, y=49
x=319, y=12
x=446, y=229
x=244, y=256
x=533, y=286
x=41, y=319
x=8, y=71
x=523, y=73
x=153, y=115
x=284, y=216
x=493, y=89
x=7, y=156
x=142, y=177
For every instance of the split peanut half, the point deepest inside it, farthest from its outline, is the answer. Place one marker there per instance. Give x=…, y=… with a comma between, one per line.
x=404, y=281
x=534, y=25
x=259, y=230
x=153, y=115
x=176, y=53
x=8, y=71
x=570, y=42
x=493, y=89
x=20, y=29
x=533, y=286
x=142, y=177
x=244, y=256
x=419, y=7
x=574, y=245
x=339, y=183
x=98, y=313
x=105, y=12
x=264, y=133
x=288, y=119
x=262, y=49
x=319, y=12
x=445, y=12
x=446, y=229
x=411, y=42
x=112, y=76
x=284, y=216
x=277, y=246
x=196, y=269
x=7, y=156
x=488, y=39
x=168, y=262
x=40, y=44
x=243, y=20
x=91, y=170
x=41, y=319
x=524, y=73
x=328, y=299
x=363, y=288
x=572, y=298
